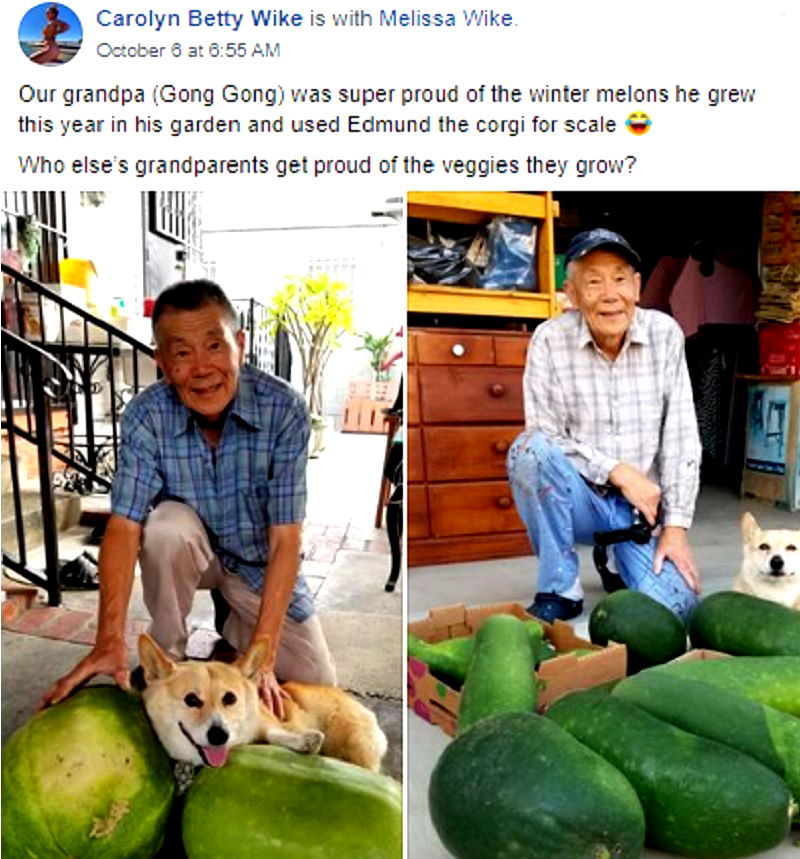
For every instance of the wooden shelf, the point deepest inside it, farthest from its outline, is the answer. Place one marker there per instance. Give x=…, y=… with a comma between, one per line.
x=478, y=207
x=755, y=377
x=480, y=302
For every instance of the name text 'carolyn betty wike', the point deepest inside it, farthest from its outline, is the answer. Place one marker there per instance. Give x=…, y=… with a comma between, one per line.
x=153, y=20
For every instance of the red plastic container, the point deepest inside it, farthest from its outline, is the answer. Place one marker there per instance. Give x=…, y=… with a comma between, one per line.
x=779, y=348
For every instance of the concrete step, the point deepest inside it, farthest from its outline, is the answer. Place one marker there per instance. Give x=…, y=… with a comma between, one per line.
x=67, y=513
x=95, y=510
x=17, y=599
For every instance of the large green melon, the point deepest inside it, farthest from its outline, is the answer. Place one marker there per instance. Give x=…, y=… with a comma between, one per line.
x=87, y=778
x=270, y=803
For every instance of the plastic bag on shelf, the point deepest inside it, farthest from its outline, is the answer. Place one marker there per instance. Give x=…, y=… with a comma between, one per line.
x=512, y=244
x=439, y=261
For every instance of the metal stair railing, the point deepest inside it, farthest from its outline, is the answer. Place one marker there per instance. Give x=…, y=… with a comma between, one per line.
x=102, y=368
x=45, y=379
x=108, y=367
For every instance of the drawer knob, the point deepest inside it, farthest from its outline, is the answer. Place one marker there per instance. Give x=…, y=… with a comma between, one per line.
x=458, y=349
x=501, y=446
x=504, y=503
x=497, y=390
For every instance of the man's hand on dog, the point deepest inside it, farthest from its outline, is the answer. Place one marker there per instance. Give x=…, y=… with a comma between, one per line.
x=674, y=544
x=110, y=659
x=271, y=693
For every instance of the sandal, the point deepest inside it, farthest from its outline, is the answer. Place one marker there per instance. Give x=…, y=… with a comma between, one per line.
x=79, y=574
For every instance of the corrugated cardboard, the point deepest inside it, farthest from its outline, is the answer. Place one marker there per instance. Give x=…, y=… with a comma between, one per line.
x=700, y=655
x=436, y=702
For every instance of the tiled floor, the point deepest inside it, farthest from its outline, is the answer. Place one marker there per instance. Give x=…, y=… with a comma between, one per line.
x=343, y=492
x=75, y=620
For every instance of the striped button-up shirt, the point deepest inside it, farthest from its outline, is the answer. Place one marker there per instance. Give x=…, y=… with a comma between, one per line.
x=254, y=477
x=637, y=409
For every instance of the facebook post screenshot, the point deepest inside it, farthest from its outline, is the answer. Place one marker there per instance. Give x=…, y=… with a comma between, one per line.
x=467, y=341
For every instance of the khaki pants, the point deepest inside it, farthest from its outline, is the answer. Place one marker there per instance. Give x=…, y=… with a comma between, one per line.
x=176, y=559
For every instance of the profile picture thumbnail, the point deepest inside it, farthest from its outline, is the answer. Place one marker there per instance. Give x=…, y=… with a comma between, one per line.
x=50, y=34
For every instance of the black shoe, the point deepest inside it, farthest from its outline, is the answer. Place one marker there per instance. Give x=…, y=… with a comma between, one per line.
x=79, y=574
x=550, y=607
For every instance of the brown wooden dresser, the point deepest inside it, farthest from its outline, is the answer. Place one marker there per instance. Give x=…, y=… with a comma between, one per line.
x=465, y=389
x=465, y=408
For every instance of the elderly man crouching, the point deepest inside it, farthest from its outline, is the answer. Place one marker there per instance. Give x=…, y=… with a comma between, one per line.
x=210, y=492
x=611, y=433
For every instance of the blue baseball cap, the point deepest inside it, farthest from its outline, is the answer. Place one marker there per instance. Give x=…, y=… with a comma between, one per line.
x=593, y=240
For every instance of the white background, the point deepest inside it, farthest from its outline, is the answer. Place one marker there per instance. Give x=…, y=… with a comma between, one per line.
x=694, y=44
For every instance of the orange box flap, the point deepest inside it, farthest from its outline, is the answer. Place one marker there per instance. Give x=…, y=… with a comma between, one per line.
x=436, y=702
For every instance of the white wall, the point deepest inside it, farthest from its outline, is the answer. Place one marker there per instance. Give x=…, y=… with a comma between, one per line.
x=111, y=236
x=252, y=245
x=280, y=242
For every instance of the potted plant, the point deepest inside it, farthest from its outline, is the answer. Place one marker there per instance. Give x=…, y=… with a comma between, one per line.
x=315, y=311
x=29, y=240
x=378, y=348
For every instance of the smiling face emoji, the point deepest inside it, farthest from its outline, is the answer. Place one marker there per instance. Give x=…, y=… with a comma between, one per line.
x=638, y=122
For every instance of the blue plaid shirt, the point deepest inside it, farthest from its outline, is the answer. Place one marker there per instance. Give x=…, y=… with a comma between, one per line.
x=254, y=478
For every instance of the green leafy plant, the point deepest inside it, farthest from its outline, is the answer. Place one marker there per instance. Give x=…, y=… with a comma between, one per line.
x=29, y=239
x=315, y=311
x=378, y=348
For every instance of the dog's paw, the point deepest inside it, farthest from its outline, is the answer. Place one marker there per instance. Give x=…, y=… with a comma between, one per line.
x=313, y=741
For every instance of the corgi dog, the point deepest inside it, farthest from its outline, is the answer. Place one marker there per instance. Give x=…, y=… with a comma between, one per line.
x=201, y=710
x=771, y=563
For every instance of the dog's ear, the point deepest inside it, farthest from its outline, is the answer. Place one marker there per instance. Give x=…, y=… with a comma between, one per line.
x=252, y=662
x=153, y=659
x=749, y=527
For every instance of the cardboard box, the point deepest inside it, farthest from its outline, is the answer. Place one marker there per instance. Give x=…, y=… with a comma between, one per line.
x=780, y=242
x=701, y=655
x=436, y=702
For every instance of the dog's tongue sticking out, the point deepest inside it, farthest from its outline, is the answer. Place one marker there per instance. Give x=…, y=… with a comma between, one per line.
x=215, y=755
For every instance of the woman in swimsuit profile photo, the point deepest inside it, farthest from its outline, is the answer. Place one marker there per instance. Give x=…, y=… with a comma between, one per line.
x=42, y=46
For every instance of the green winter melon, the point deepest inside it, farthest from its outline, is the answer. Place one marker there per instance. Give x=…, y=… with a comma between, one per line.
x=651, y=633
x=516, y=784
x=501, y=676
x=87, y=778
x=700, y=798
x=271, y=803
x=744, y=625
x=766, y=734
x=771, y=680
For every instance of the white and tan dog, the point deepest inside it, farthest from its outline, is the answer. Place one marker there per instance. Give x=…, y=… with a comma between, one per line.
x=201, y=710
x=771, y=563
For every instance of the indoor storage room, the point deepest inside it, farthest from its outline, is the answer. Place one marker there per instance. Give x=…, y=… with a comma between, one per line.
x=485, y=271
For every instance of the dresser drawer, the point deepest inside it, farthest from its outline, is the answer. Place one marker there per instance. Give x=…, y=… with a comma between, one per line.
x=467, y=453
x=417, y=512
x=413, y=396
x=411, y=340
x=455, y=348
x=511, y=351
x=416, y=461
x=471, y=395
x=459, y=509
